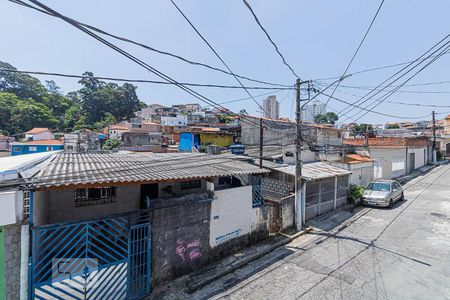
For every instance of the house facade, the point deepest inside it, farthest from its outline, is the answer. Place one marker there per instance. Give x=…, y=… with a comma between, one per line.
x=82, y=140
x=36, y=147
x=38, y=134
x=135, y=221
x=393, y=156
x=5, y=143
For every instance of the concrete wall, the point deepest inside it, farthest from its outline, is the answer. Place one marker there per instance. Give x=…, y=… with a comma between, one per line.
x=232, y=215
x=180, y=236
x=390, y=162
x=420, y=159
x=362, y=173
x=288, y=212
x=59, y=206
x=11, y=207
x=11, y=276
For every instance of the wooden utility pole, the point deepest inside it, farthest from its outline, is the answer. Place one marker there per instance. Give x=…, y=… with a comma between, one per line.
x=261, y=141
x=434, y=138
x=299, y=203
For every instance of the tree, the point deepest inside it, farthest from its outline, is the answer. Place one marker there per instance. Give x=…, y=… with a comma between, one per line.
x=20, y=115
x=98, y=98
x=111, y=144
x=22, y=85
x=328, y=118
x=392, y=126
x=362, y=129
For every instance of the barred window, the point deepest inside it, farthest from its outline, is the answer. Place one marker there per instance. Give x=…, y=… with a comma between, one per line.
x=187, y=185
x=95, y=196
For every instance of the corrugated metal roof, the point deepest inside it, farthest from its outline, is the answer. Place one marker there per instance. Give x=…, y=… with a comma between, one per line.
x=310, y=171
x=125, y=167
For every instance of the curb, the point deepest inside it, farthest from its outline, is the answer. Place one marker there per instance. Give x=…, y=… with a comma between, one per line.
x=234, y=266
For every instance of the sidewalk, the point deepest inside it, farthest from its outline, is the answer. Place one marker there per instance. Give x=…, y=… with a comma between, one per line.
x=182, y=287
x=425, y=169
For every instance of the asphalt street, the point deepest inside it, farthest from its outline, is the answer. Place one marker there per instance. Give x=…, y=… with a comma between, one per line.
x=398, y=253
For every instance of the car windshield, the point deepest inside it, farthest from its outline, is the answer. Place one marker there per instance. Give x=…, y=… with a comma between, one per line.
x=379, y=186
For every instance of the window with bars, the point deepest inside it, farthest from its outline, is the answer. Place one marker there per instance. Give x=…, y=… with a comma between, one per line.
x=26, y=205
x=187, y=185
x=256, y=191
x=95, y=196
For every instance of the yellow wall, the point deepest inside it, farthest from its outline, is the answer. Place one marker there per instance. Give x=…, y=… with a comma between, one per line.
x=216, y=139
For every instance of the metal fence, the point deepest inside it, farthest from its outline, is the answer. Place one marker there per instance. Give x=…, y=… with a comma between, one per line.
x=107, y=258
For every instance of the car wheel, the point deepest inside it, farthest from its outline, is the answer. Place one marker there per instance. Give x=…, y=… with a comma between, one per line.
x=391, y=203
x=402, y=197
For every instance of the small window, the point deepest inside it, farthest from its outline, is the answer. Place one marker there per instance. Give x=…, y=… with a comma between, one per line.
x=49, y=148
x=187, y=185
x=32, y=148
x=16, y=149
x=95, y=196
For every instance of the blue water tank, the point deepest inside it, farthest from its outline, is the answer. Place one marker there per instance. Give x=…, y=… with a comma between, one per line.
x=237, y=149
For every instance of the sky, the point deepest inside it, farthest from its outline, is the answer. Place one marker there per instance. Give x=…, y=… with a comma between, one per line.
x=317, y=38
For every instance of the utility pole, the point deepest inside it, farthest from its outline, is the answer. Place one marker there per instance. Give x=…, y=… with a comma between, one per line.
x=299, y=203
x=261, y=141
x=434, y=138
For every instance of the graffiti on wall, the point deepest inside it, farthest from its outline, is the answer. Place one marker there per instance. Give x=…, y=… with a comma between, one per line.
x=188, y=251
x=228, y=236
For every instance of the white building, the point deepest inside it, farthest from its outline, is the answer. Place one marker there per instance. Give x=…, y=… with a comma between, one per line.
x=271, y=108
x=177, y=120
x=309, y=111
x=38, y=134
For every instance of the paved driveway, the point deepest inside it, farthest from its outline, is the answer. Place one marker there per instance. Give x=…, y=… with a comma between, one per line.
x=399, y=253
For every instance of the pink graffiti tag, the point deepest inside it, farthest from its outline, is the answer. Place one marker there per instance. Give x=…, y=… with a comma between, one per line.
x=194, y=243
x=192, y=247
x=180, y=250
x=194, y=254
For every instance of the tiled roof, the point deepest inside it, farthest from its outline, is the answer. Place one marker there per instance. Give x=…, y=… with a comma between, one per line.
x=41, y=142
x=356, y=159
x=310, y=171
x=388, y=142
x=71, y=169
x=36, y=130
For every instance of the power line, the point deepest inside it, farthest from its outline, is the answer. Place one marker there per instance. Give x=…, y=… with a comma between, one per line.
x=132, y=58
x=96, y=29
x=218, y=56
x=356, y=52
x=395, y=74
x=375, y=68
x=375, y=112
x=270, y=39
x=420, y=70
x=143, y=80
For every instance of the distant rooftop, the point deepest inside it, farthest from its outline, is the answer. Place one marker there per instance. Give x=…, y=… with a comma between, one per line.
x=36, y=130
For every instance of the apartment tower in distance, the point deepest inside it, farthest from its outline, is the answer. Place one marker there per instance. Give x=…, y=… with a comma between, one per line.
x=309, y=111
x=271, y=108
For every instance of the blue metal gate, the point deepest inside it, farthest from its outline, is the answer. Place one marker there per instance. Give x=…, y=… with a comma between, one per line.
x=107, y=258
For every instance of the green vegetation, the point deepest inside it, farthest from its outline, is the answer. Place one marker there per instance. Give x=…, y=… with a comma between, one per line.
x=392, y=126
x=111, y=144
x=328, y=118
x=355, y=192
x=362, y=129
x=26, y=103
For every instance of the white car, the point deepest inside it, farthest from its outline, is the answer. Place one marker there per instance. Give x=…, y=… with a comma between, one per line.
x=383, y=193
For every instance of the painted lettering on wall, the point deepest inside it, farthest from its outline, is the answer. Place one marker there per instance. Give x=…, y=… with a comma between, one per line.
x=188, y=251
x=228, y=236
